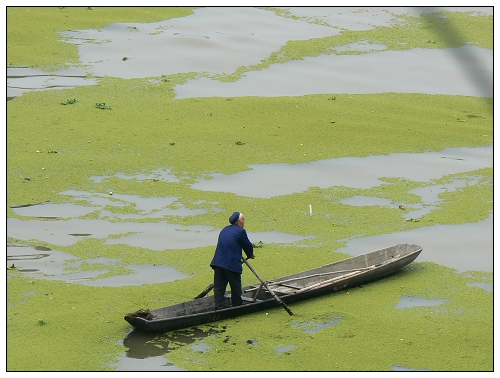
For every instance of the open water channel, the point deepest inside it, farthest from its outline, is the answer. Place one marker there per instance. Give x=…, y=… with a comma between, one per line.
x=244, y=36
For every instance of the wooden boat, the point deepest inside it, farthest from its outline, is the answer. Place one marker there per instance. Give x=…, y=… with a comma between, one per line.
x=293, y=288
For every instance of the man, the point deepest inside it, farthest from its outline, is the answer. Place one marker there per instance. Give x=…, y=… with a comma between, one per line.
x=227, y=260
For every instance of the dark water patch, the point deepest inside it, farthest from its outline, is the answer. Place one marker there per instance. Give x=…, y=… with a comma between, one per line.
x=407, y=302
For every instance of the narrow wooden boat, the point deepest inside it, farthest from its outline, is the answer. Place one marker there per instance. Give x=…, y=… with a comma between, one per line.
x=293, y=288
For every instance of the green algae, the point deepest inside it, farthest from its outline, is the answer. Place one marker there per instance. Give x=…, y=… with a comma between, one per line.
x=146, y=129
x=371, y=325
x=345, y=221
x=373, y=335
x=82, y=325
x=136, y=137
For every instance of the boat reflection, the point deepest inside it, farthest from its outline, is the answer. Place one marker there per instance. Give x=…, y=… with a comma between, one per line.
x=142, y=344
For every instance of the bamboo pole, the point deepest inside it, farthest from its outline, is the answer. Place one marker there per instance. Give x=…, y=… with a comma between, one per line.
x=268, y=288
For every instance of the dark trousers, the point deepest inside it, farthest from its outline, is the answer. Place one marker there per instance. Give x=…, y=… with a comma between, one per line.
x=221, y=278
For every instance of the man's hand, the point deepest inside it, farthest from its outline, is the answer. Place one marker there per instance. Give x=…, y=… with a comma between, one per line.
x=253, y=256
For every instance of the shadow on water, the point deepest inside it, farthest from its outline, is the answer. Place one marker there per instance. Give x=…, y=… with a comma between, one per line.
x=148, y=351
x=452, y=35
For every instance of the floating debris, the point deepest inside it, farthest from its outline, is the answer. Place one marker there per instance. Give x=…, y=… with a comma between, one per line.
x=69, y=101
x=102, y=105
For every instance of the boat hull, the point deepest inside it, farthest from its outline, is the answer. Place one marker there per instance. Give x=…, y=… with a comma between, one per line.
x=297, y=287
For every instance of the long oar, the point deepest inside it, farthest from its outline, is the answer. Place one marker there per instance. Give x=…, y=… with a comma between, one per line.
x=268, y=288
x=205, y=292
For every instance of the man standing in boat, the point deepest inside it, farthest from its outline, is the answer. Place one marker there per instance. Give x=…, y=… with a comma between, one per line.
x=227, y=260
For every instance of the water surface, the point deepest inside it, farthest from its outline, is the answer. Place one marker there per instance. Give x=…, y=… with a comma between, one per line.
x=268, y=180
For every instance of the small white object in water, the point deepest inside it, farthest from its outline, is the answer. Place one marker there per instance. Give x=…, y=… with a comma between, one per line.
x=310, y=210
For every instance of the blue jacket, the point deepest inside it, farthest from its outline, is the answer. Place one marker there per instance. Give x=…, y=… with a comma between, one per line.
x=232, y=239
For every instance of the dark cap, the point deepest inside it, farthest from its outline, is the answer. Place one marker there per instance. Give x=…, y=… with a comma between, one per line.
x=234, y=218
